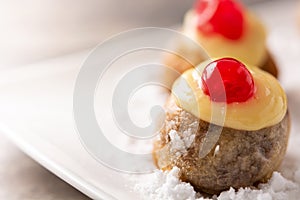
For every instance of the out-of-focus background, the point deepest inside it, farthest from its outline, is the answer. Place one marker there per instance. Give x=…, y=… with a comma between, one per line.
x=32, y=31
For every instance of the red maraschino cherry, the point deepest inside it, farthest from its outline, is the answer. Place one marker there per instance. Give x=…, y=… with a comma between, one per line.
x=227, y=76
x=224, y=17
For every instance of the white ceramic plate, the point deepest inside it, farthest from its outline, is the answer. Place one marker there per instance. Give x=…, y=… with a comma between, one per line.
x=36, y=109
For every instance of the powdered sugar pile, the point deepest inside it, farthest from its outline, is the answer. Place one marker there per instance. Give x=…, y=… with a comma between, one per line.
x=166, y=185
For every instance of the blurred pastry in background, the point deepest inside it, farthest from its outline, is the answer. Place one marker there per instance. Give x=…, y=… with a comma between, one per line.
x=224, y=28
x=298, y=14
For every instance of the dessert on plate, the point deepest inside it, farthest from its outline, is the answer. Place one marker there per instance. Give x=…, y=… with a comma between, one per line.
x=226, y=125
x=224, y=28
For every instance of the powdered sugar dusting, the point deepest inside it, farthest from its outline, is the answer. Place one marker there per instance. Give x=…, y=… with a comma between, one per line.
x=188, y=139
x=278, y=188
x=166, y=185
x=180, y=145
x=177, y=144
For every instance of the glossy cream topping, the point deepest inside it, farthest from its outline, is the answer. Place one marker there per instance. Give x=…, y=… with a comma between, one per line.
x=250, y=48
x=267, y=107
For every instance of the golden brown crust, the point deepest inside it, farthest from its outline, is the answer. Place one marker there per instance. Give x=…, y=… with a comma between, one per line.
x=243, y=158
x=180, y=64
x=270, y=66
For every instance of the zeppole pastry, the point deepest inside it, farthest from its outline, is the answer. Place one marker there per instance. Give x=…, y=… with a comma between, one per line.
x=226, y=125
x=224, y=28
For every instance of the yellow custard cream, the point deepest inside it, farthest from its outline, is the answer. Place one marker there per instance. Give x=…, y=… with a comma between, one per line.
x=267, y=107
x=250, y=48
